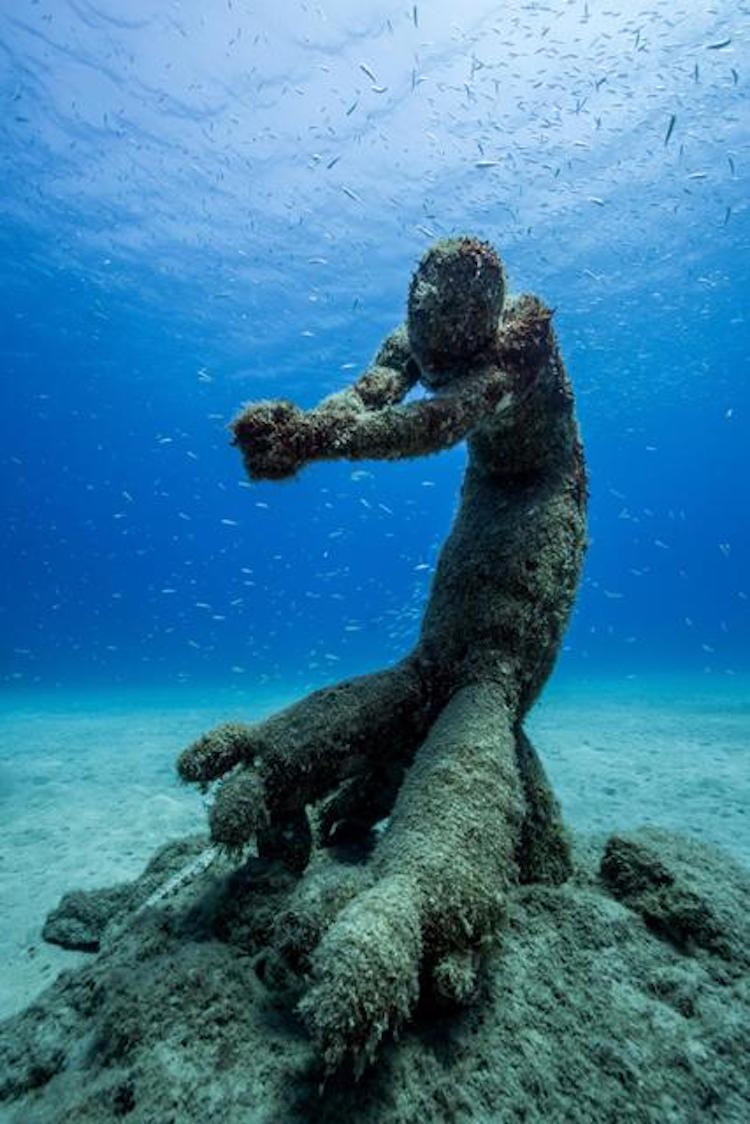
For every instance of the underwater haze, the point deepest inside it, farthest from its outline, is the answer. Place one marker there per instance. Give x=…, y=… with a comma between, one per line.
x=205, y=204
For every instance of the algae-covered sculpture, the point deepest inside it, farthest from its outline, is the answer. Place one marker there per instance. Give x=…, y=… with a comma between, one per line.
x=435, y=743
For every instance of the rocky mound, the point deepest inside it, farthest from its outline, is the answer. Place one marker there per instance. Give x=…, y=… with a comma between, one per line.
x=621, y=995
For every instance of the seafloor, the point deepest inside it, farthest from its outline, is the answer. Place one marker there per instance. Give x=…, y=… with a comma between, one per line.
x=88, y=793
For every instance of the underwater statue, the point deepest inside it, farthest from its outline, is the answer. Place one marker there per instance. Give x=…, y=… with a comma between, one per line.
x=435, y=745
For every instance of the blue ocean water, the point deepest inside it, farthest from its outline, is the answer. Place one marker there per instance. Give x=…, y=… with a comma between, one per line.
x=206, y=207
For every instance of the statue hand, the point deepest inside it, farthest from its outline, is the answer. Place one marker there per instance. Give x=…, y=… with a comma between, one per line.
x=273, y=438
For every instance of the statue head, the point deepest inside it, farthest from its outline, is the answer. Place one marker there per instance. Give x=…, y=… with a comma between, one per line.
x=455, y=300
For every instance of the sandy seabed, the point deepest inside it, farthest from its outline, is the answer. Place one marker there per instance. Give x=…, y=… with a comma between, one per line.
x=88, y=789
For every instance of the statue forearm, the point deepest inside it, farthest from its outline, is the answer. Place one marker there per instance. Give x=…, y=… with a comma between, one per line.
x=398, y=432
x=388, y=379
x=392, y=373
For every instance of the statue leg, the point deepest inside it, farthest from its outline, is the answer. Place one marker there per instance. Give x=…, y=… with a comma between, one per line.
x=297, y=756
x=544, y=848
x=440, y=871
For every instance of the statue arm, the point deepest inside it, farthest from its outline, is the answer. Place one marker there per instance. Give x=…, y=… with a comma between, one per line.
x=390, y=376
x=277, y=438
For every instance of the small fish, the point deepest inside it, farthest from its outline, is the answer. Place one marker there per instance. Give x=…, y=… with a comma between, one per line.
x=332, y=163
x=368, y=72
x=719, y=46
x=670, y=128
x=735, y=76
x=727, y=215
x=415, y=16
x=595, y=199
x=731, y=164
x=352, y=107
x=698, y=176
x=486, y=163
x=352, y=194
x=230, y=522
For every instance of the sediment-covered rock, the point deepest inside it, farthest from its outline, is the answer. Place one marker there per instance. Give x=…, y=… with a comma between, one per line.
x=587, y=1009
